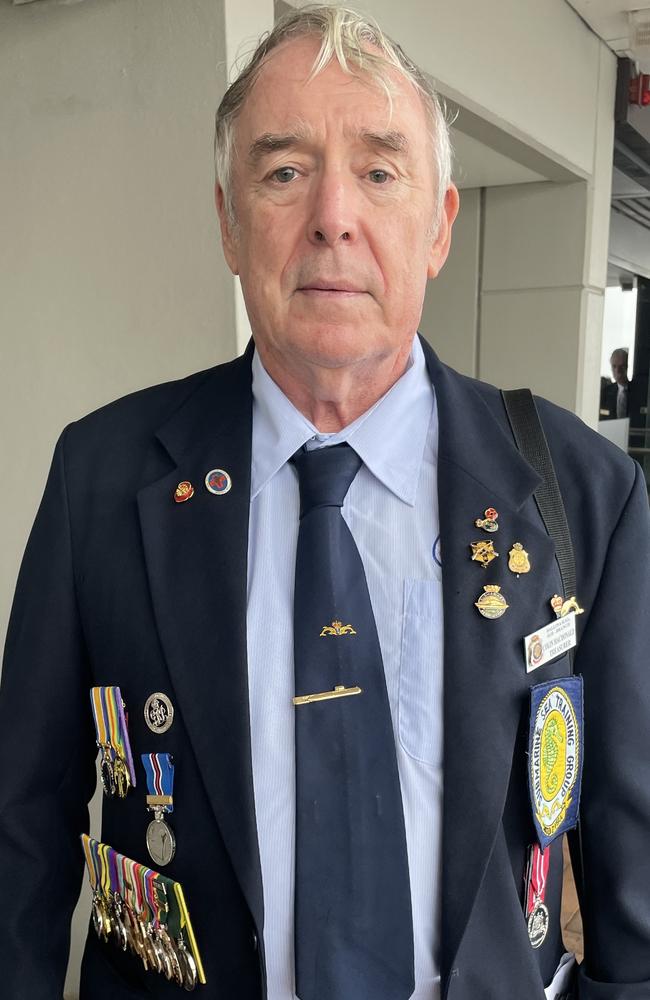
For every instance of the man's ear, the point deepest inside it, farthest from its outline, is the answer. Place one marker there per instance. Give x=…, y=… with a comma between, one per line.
x=228, y=242
x=440, y=246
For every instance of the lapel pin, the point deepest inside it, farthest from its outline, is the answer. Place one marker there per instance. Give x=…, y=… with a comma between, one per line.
x=492, y=603
x=483, y=553
x=218, y=482
x=562, y=607
x=489, y=522
x=158, y=712
x=183, y=492
x=518, y=561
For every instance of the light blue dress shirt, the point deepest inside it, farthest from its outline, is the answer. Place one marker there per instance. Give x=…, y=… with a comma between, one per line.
x=392, y=512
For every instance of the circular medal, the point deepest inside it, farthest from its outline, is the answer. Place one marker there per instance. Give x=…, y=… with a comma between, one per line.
x=158, y=712
x=218, y=481
x=538, y=925
x=188, y=966
x=161, y=842
x=492, y=603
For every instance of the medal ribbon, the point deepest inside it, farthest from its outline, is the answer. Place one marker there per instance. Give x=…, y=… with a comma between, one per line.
x=119, y=731
x=539, y=864
x=99, y=716
x=91, y=863
x=160, y=776
x=110, y=724
x=187, y=926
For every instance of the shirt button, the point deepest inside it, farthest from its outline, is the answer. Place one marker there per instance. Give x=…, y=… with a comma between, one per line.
x=254, y=940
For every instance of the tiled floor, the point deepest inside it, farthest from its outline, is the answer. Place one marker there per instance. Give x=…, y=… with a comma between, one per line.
x=571, y=922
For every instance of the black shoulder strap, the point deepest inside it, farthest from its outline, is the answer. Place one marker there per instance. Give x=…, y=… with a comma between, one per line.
x=531, y=441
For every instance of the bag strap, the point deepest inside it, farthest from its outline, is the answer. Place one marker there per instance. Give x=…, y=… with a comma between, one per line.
x=531, y=441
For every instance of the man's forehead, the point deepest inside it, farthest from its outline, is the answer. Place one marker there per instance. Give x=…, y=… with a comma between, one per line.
x=287, y=97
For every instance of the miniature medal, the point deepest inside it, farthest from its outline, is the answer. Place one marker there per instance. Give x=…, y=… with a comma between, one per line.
x=483, y=553
x=117, y=771
x=161, y=843
x=489, y=522
x=518, y=561
x=536, y=911
x=492, y=604
x=144, y=912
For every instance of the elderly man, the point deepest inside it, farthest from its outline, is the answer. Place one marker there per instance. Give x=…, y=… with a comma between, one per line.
x=286, y=570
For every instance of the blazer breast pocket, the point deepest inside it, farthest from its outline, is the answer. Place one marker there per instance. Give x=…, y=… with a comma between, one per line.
x=420, y=679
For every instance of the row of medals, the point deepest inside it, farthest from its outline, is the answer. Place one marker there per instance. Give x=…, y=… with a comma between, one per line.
x=158, y=950
x=492, y=604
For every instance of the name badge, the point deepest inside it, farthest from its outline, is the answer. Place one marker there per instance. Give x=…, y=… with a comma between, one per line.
x=555, y=749
x=548, y=643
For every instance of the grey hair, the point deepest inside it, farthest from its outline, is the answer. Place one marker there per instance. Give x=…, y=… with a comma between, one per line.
x=345, y=35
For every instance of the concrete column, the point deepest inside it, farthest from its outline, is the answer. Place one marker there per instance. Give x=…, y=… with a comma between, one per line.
x=244, y=22
x=520, y=300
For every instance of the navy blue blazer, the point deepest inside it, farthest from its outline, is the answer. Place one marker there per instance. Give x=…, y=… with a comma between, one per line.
x=120, y=585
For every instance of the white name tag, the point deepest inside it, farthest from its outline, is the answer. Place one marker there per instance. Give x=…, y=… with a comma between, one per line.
x=550, y=642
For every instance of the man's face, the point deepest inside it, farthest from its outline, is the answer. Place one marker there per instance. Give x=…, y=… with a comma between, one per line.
x=334, y=204
x=619, y=368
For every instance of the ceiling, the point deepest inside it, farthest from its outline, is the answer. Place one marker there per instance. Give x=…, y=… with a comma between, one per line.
x=478, y=165
x=609, y=20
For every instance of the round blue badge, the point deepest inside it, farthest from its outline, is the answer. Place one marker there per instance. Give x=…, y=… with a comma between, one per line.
x=218, y=481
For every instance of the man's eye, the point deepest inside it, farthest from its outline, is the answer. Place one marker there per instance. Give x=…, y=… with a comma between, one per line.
x=379, y=176
x=283, y=174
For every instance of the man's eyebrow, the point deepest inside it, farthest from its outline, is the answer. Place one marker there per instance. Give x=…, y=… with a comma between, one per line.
x=395, y=142
x=274, y=142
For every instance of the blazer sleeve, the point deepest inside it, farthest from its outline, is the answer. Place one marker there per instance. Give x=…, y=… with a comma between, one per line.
x=47, y=754
x=615, y=808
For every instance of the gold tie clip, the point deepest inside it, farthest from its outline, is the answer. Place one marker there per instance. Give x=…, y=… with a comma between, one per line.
x=339, y=692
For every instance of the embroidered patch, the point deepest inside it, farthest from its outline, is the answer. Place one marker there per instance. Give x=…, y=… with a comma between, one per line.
x=555, y=748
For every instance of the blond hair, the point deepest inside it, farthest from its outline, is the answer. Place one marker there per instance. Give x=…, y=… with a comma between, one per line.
x=350, y=39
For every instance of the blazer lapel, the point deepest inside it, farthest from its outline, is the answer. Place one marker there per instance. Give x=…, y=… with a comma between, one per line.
x=485, y=681
x=196, y=557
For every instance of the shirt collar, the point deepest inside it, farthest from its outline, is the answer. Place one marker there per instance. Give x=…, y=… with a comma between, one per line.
x=389, y=437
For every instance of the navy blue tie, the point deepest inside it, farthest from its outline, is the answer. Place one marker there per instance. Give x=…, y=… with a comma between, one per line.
x=353, y=919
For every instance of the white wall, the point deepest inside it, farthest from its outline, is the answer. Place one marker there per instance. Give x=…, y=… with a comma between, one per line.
x=533, y=66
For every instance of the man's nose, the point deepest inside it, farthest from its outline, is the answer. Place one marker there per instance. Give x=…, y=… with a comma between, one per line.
x=333, y=215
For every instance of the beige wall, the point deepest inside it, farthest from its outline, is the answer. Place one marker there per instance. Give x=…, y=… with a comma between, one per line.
x=111, y=272
x=112, y=276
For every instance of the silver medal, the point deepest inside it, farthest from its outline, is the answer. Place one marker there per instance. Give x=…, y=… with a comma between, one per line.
x=538, y=925
x=161, y=842
x=158, y=712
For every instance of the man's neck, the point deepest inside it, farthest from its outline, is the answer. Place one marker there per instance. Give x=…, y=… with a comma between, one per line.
x=332, y=398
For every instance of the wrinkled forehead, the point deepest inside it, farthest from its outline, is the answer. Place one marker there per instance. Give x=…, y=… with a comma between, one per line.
x=286, y=95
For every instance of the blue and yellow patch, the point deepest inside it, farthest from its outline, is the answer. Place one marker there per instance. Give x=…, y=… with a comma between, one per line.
x=555, y=747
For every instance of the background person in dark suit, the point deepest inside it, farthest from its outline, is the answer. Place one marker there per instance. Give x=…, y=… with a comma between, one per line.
x=616, y=396
x=336, y=206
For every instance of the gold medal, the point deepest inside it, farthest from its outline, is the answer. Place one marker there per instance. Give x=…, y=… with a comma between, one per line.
x=483, y=553
x=518, y=561
x=492, y=604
